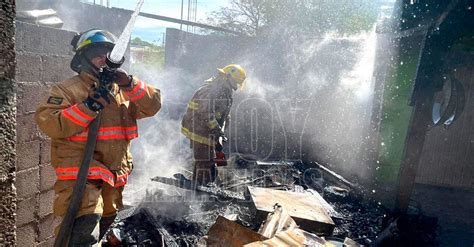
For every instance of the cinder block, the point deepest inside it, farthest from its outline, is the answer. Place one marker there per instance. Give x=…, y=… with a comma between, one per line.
x=56, y=41
x=47, y=242
x=28, y=154
x=18, y=36
x=56, y=68
x=47, y=177
x=27, y=183
x=30, y=95
x=46, y=227
x=26, y=235
x=45, y=152
x=31, y=40
x=46, y=203
x=28, y=67
x=25, y=211
x=26, y=128
x=38, y=39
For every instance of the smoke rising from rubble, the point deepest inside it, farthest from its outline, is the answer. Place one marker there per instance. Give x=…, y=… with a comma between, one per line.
x=161, y=149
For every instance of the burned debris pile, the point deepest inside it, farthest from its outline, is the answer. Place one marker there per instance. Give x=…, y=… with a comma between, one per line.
x=252, y=204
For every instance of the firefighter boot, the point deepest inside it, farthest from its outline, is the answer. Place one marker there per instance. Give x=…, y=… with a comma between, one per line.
x=202, y=172
x=85, y=231
x=214, y=173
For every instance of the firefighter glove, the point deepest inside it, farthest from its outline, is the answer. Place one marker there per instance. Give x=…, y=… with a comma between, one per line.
x=106, y=76
x=123, y=79
x=225, y=139
x=218, y=147
x=98, y=98
x=218, y=132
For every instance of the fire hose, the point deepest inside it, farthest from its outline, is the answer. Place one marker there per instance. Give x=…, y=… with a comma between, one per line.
x=80, y=185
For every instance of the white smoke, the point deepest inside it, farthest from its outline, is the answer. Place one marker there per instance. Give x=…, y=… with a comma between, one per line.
x=321, y=107
x=160, y=149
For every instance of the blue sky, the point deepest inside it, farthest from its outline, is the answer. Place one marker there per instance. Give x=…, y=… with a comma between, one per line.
x=152, y=30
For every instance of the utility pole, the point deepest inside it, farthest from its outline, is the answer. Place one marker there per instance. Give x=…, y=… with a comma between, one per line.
x=181, y=24
x=163, y=41
x=189, y=8
x=195, y=13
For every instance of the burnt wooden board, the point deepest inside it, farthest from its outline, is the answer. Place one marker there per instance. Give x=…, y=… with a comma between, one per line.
x=230, y=234
x=307, y=211
x=189, y=185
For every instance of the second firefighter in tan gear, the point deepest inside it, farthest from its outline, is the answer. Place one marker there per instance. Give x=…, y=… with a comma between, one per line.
x=206, y=117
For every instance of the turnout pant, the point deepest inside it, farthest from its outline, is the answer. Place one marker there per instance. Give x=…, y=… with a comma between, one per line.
x=205, y=170
x=97, y=211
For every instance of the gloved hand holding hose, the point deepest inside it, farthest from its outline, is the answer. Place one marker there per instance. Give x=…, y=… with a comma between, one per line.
x=123, y=79
x=98, y=98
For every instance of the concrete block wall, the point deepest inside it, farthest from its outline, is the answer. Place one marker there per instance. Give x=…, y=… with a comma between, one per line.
x=78, y=16
x=43, y=56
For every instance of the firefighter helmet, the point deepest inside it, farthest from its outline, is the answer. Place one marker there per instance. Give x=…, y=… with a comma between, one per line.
x=235, y=73
x=95, y=39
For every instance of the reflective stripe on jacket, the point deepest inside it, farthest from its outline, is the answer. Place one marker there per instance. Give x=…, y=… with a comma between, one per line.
x=63, y=117
x=207, y=111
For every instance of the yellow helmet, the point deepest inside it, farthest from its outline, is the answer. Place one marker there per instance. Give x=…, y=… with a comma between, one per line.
x=236, y=73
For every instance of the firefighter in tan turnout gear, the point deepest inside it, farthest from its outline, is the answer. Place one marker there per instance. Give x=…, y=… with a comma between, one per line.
x=65, y=115
x=206, y=117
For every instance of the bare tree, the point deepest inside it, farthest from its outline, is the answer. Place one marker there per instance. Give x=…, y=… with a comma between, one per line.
x=246, y=16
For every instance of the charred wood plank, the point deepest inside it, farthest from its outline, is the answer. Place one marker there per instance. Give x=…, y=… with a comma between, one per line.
x=189, y=185
x=304, y=208
x=331, y=175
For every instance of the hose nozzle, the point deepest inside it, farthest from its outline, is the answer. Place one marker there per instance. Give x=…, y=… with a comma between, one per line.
x=113, y=64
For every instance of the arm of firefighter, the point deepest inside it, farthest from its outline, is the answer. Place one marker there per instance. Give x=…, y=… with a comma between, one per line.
x=146, y=97
x=59, y=117
x=202, y=109
x=225, y=123
x=221, y=106
x=215, y=98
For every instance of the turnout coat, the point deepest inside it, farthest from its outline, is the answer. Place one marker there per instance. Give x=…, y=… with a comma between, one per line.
x=64, y=117
x=207, y=112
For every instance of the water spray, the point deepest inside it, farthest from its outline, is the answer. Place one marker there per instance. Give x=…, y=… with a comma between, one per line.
x=114, y=60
